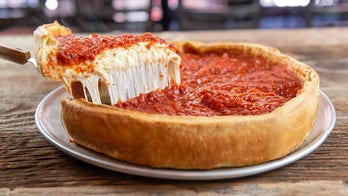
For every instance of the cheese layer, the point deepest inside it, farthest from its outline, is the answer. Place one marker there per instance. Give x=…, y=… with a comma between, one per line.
x=128, y=72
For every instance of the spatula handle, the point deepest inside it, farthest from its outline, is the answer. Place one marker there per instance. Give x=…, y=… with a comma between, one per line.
x=15, y=55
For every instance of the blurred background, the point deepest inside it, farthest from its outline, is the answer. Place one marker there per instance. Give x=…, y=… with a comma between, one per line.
x=23, y=16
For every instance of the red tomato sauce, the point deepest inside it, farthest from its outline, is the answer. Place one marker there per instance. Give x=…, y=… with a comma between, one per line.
x=73, y=50
x=221, y=84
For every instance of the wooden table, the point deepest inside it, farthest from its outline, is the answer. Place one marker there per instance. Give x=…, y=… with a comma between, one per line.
x=29, y=164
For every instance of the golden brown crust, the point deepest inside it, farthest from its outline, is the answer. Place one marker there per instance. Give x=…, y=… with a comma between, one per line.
x=186, y=142
x=45, y=47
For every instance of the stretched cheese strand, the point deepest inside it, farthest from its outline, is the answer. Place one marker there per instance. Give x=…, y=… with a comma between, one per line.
x=91, y=84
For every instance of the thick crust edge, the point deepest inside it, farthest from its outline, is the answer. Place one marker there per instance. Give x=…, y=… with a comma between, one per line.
x=186, y=142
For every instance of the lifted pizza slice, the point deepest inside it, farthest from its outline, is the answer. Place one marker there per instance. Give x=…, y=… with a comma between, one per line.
x=126, y=65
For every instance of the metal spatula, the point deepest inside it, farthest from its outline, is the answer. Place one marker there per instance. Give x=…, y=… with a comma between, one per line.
x=16, y=55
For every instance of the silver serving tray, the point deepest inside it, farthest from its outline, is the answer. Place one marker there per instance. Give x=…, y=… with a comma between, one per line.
x=48, y=121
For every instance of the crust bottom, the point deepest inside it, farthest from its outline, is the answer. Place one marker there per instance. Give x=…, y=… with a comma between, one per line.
x=186, y=142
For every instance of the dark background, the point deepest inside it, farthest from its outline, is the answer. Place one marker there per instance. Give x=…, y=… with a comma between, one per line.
x=22, y=16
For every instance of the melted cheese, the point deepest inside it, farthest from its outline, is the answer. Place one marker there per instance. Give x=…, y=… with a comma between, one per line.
x=128, y=72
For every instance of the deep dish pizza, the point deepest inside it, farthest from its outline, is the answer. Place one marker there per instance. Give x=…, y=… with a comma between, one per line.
x=233, y=104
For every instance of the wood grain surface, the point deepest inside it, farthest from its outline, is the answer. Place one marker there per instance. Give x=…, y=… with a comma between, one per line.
x=31, y=165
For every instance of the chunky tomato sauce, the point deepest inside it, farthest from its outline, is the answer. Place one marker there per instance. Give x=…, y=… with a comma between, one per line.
x=73, y=50
x=221, y=84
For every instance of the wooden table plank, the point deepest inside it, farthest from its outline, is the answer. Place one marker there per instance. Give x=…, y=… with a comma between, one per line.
x=29, y=164
x=295, y=188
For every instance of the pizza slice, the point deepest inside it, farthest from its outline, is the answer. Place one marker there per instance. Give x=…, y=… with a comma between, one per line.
x=125, y=65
